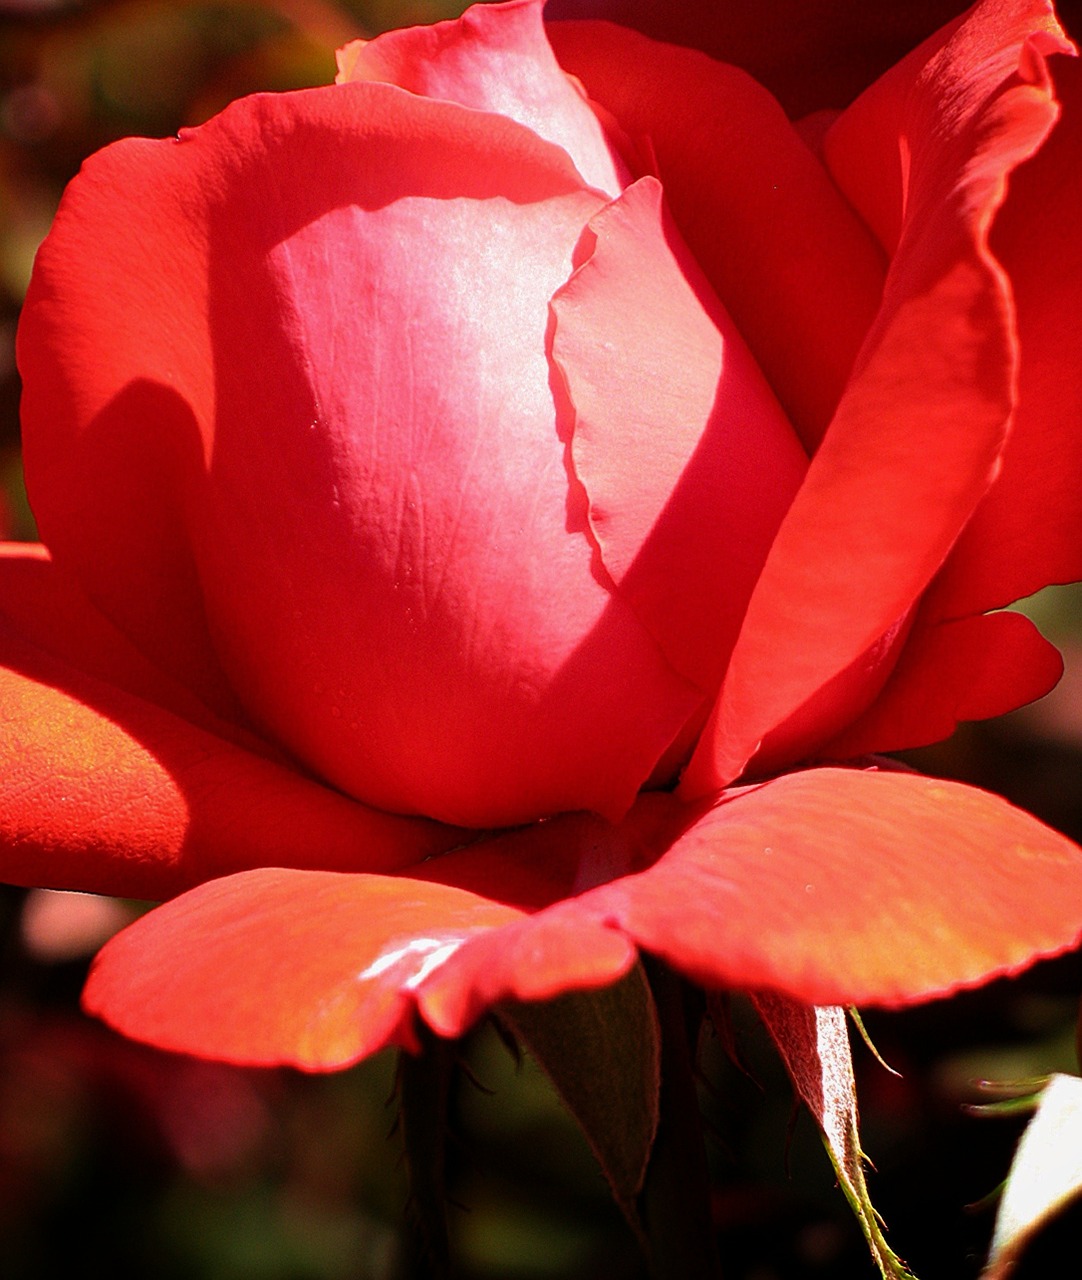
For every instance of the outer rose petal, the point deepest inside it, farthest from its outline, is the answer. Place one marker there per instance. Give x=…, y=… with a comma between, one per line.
x=816, y=885
x=328, y=263
x=858, y=887
x=339, y=989
x=113, y=779
x=917, y=439
x=495, y=58
x=45, y=608
x=970, y=669
x=1028, y=530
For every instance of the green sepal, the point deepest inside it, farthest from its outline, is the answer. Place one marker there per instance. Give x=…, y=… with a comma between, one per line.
x=601, y=1050
x=814, y=1045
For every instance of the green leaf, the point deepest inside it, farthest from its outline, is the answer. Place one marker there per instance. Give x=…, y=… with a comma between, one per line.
x=1045, y=1176
x=1010, y=1097
x=601, y=1050
x=814, y=1045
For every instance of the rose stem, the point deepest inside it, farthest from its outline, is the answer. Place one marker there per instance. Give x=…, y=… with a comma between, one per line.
x=675, y=1199
x=423, y=1086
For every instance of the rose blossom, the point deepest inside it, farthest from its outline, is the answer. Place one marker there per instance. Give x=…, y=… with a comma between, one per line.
x=434, y=463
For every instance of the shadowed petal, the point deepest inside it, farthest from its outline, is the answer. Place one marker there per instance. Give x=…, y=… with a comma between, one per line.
x=1028, y=530
x=794, y=266
x=971, y=669
x=116, y=780
x=809, y=53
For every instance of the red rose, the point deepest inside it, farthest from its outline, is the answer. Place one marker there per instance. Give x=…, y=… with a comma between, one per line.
x=432, y=463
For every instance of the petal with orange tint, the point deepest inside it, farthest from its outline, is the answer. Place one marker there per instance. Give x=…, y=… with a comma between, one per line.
x=845, y=886
x=312, y=969
x=832, y=886
x=114, y=780
x=829, y=886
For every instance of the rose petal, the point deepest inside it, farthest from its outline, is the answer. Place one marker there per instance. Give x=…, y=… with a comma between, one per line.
x=41, y=603
x=209, y=973
x=831, y=886
x=494, y=58
x=795, y=268
x=391, y=625
x=671, y=412
x=918, y=436
x=817, y=884
x=312, y=969
x=1028, y=530
x=971, y=669
x=855, y=887
x=104, y=787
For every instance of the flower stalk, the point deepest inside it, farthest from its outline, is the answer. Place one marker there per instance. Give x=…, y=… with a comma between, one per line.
x=675, y=1201
x=423, y=1089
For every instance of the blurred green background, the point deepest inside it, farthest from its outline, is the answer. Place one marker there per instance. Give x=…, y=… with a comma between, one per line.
x=119, y=1161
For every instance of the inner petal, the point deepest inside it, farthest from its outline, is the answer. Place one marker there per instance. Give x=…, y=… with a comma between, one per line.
x=495, y=58
x=688, y=461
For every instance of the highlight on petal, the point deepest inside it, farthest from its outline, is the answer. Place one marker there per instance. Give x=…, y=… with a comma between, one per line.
x=833, y=886
x=391, y=626
x=494, y=58
x=918, y=437
x=686, y=458
x=311, y=969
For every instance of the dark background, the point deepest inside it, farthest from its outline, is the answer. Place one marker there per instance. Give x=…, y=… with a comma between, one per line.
x=119, y=1161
